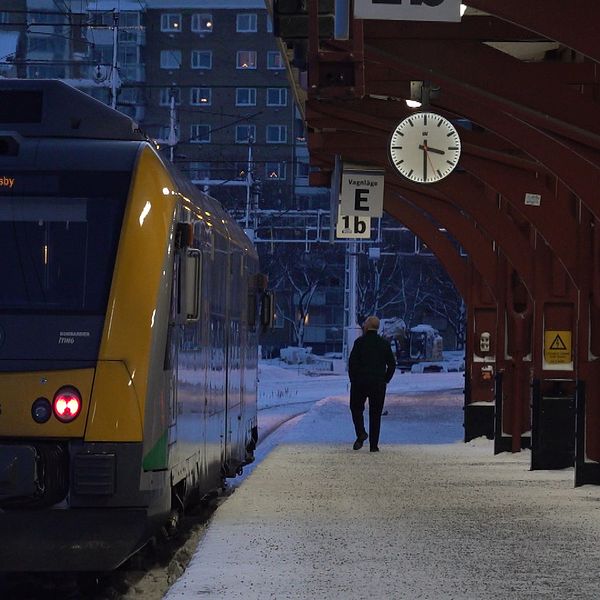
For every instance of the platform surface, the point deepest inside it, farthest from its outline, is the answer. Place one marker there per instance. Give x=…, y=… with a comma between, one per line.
x=419, y=520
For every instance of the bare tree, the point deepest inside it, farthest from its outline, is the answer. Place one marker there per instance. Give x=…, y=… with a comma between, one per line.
x=446, y=302
x=392, y=285
x=301, y=274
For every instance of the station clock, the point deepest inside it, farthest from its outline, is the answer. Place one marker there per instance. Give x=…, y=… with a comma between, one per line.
x=424, y=147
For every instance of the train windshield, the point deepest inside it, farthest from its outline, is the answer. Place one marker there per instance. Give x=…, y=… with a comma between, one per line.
x=58, y=246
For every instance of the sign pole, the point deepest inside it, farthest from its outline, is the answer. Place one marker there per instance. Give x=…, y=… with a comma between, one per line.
x=353, y=330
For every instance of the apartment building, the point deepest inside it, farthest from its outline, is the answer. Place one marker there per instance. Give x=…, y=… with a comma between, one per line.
x=218, y=96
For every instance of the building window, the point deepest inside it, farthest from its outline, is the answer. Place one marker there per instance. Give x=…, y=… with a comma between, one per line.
x=45, y=72
x=244, y=132
x=170, y=22
x=199, y=133
x=269, y=24
x=246, y=23
x=164, y=133
x=45, y=44
x=276, y=134
x=241, y=170
x=200, y=96
x=45, y=17
x=201, y=59
x=302, y=169
x=274, y=170
x=202, y=23
x=199, y=170
x=276, y=97
x=129, y=27
x=128, y=55
x=166, y=93
x=245, y=97
x=129, y=95
x=4, y=17
x=170, y=59
x=275, y=60
x=246, y=59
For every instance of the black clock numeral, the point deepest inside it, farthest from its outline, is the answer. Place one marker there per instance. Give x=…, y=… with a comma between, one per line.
x=411, y=172
x=449, y=162
x=450, y=134
x=453, y=148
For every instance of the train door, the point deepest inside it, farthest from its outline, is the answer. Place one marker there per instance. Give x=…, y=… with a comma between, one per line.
x=234, y=388
x=216, y=411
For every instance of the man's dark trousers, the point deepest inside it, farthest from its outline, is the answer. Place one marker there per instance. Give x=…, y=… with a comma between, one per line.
x=375, y=392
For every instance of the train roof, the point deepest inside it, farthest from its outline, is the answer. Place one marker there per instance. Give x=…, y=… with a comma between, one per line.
x=36, y=108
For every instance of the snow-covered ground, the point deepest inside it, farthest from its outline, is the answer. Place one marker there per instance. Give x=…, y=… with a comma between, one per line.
x=428, y=517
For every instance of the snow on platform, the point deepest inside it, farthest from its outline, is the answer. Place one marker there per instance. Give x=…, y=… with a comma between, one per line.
x=426, y=518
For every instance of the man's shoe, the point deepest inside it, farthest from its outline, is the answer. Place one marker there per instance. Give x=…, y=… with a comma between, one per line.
x=358, y=444
x=376, y=449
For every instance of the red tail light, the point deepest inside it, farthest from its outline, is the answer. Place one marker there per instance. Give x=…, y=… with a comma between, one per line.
x=67, y=404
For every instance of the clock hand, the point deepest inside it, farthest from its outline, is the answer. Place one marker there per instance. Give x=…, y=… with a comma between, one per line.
x=429, y=158
x=425, y=157
x=430, y=149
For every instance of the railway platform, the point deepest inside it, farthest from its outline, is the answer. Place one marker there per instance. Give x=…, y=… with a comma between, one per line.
x=429, y=517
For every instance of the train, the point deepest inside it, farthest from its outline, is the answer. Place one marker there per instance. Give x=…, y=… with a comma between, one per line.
x=130, y=309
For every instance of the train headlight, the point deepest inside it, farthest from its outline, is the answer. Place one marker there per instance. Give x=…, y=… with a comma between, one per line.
x=67, y=404
x=41, y=410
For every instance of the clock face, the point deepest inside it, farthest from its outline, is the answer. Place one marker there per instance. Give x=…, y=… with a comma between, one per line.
x=425, y=147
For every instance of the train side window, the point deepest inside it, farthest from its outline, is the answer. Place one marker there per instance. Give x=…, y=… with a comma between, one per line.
x=190, y=284
x=267, y=310
x=252, y=307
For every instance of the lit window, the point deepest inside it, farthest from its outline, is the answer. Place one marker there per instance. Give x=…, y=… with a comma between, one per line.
x=245, y=97
x=276, y=97
x=275, y=60
x=199, y=133
x=246, y=23
x=202, y=23
x=201, y=59
x=244, y=132
x=246, y=59
x=166, y=93
x=274, y=170
x=200, y=96
x=170, y=22
x=276, y=134
x=170, y=59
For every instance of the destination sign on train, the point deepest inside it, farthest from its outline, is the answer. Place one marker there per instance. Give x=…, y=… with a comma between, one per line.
x=7, y=183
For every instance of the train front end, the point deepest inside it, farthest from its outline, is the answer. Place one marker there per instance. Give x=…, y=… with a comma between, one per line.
x=77, y=203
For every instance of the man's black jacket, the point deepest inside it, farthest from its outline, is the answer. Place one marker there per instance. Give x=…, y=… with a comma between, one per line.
x=371, y=360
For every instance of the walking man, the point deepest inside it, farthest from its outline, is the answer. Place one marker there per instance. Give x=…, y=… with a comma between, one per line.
x=370, y=367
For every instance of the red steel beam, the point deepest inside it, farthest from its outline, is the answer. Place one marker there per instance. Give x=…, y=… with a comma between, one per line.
x=573, y=23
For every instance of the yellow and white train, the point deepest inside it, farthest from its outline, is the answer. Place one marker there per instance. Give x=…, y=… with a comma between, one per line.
x=130, y=305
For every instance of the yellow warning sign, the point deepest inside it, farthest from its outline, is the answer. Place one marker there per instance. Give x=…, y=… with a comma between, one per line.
x=557, y=347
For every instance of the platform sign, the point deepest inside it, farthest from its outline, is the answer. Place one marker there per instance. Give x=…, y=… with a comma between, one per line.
x=362, y=193
x=408, y=10
x=353, y=227
x=557, y=347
